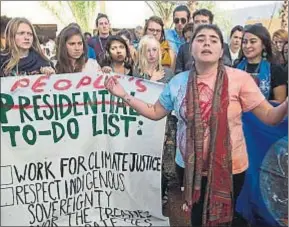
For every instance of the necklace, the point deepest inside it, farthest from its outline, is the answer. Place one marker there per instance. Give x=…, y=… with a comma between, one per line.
x=256, y=71
x=100, y=43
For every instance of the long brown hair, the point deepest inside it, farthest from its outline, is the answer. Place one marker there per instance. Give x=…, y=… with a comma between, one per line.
x=159, y=21
x=11, y=49
x=63, y=64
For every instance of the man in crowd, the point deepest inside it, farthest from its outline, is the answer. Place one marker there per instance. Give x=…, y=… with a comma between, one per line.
x=98, y=43
x=181, y=16
x=232, y=51
x=138, y=32
x=202, y=16
x=184, y=57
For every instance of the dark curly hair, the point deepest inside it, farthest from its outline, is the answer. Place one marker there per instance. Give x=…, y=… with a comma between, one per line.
x=107, y=61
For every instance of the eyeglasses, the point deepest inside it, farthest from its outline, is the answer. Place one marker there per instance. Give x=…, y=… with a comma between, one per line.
x=177, y=20
x=30, y=34
x=152, y=30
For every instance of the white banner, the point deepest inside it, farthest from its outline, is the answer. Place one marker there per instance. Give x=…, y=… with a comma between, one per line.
x=74, y=155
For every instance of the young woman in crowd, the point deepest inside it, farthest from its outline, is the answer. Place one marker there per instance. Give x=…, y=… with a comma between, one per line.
x=22, y=54
x=155, y=26
x=71, y=52
x=256, y=59
x=126, y=35
x=279, y=38
x=209, y=101
x=117, y=57
x=149, y=64
x=149, y=67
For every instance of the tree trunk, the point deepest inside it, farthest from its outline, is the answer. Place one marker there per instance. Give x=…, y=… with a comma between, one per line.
x=102, y=7
x=284, y=15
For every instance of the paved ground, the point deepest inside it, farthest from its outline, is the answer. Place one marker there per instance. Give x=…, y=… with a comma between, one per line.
x=172, y=209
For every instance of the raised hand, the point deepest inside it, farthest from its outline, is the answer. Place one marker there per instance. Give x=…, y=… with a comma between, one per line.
x=157, y=75
x=114, y=87
x=47, y=70
x=106, y=69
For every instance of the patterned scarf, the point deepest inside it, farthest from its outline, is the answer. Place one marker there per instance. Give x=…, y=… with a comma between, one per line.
x=218, y=204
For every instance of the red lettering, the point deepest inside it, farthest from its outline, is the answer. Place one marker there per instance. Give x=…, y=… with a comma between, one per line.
x=38, y=83
x=140, y=85
x=66, y=87
x=97, y=83
x=24, y=82
x=117, y=76
x=86, y=80
x=130, y=78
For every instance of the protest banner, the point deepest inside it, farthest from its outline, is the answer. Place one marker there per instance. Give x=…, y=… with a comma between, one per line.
x=74, y=155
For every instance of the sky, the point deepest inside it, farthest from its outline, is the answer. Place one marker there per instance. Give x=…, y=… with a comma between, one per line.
x=137, y=10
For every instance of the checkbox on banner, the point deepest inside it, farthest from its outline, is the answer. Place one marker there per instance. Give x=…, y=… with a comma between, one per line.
x=7, y=197
x=6, y=175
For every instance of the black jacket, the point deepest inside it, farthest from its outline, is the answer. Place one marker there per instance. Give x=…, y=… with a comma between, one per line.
x=227, y=56
x=184, y=59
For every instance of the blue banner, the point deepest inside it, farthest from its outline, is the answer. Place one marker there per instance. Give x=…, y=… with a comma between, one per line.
x=264, y=199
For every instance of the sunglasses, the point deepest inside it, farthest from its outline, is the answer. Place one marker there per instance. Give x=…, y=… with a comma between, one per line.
x=177, y=20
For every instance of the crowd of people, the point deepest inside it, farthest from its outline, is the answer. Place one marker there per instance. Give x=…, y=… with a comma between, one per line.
x=204, y=76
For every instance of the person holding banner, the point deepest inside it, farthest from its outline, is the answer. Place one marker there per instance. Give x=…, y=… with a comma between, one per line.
x=71, y=52
x=127, y=36
x=209, y=101
x=256, y=59
x=149, y=67
x=117, y=57
x=22, y=54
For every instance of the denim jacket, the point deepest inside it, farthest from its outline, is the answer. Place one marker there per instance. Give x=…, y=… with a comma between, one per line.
x=174, y=39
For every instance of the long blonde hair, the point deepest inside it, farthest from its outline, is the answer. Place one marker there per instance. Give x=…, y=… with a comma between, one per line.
x=12, y=49
x=142, y=62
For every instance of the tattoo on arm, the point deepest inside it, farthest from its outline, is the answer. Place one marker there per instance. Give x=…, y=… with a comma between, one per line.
x=127, y=98
x=150, y=106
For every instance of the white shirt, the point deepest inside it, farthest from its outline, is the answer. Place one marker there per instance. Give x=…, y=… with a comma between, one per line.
x=91, y=66
x=234, y=56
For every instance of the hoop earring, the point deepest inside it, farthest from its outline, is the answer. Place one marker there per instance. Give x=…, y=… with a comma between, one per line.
x=264, y=54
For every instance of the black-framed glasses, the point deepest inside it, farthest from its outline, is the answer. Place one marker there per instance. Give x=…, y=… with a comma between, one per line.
x=177, y=20
x=152, y=30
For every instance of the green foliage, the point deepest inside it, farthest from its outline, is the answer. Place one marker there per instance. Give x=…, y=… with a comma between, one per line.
x=221, y=18
x=163, y=9
x=81, y=12
x=210, y=5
